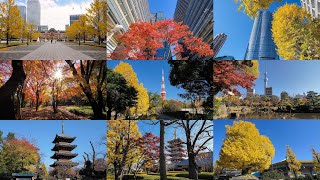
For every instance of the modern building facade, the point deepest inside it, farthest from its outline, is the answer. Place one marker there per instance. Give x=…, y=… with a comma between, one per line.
x=43, y=28
x=198, y=16
x=218, y=42
x=33, y=12
x=74, y=18
x=124, y=13
x=312, y=6
x=23, y=12
x=261, y=46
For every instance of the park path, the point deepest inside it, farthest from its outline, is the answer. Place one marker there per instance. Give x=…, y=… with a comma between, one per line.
x=46, y=113
x=56, y=51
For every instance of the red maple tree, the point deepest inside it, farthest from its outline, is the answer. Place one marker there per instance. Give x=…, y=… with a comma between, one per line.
x=229, y=74
x=143, y=39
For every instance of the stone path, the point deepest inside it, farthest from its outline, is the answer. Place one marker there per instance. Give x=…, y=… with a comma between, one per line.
x=57, y=51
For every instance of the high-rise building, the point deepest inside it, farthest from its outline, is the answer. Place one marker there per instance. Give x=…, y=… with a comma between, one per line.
x=124, y=13
x=63, y=155
x=250, y=92
x=43, y=28
x=218, y=42
x=284, y=95
x=33, y=12
x=198, y=15
x=23, y=12
x=312, y=6
x=163, y=88
x=267, y=90
x=74, y=18
x=261, y=46
x=158, y=16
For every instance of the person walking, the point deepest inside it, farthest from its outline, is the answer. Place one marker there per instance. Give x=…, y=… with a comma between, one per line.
x=51, y=41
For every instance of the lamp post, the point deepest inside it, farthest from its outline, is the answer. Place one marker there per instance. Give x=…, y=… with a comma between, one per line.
x=79, y=36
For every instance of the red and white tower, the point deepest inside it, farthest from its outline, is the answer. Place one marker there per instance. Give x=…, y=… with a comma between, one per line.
x=163, y=88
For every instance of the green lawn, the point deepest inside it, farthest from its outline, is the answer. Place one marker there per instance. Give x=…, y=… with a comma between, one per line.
x=81, y=110
x=171, y=175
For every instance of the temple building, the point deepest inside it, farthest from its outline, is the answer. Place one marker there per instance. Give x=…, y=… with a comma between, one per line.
x=63, y=166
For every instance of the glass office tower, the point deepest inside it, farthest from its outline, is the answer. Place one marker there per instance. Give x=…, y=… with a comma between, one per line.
x=261, y=45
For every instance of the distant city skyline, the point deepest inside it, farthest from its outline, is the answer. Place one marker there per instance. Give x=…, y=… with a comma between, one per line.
x=56, y=14
x=294, y=77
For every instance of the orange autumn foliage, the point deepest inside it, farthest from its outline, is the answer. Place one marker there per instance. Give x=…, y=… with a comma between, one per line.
x=143, y=39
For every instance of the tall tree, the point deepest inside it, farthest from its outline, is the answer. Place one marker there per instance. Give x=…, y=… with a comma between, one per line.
x=296, y=33
x=293, y=164
x=10, y=18
x=199, y=134
x=143, y=39
x=19, y=155
x=128, y=73
x=244, y=143
x=97, y=18
x=10, y=90
x=198, y=84
x=154, y=102
x=91, y=77
x=229, y=74
x=149, y=148
x=120, y=95
x=122, y=137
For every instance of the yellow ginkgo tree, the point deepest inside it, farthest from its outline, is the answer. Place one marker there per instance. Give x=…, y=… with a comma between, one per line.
x=245, y=149
x=295, y=33
x=251, y=7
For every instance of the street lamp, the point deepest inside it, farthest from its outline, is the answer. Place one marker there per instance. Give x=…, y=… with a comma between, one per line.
x=79, y=36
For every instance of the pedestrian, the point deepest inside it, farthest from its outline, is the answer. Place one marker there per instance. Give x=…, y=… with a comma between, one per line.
x=51, y=41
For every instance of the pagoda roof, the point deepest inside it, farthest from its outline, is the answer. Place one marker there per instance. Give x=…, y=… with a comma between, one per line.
x=58, y=147
x=66, y=164
x=64, y=155
x=63, y=138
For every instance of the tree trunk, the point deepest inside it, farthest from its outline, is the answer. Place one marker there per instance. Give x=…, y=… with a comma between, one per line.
x=193, y=167
x=84, y=37
x=163, y=168
x=7, y=37
x=109, y=114
x=37, y=100
x=9, y=89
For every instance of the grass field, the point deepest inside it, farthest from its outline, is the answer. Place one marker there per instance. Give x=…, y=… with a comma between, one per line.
x=81, y=110
x=171, y=175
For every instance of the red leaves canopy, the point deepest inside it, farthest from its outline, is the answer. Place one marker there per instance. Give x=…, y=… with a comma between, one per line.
x=143, y=39
x=227, y=74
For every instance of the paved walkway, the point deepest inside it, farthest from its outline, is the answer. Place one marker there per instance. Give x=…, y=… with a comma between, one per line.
x=57, y=51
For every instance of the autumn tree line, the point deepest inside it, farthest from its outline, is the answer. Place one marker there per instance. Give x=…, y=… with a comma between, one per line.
x=35, y=84
x=128, y=98
x=289, y=21
x=92, y=24
x=128, y=152
x=13, y=26
x=256, y=154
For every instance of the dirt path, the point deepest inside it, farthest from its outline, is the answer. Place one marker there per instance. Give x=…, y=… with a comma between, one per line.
x=46, y=113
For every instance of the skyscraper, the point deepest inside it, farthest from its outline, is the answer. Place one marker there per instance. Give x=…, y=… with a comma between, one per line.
x=198, y=15
x=261, y=45
x=158, y=16
x=124, y=13
x=33, y=12
x=74, y=18
x=218, y=42
x=23, y=12
x=312, y=6
x=163, y=88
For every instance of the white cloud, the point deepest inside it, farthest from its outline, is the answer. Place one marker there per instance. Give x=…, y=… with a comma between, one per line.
x=56, y=13
x=57, y=16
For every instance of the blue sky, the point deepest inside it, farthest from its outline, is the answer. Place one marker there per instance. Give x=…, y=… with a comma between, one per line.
x=167, y=6
x=300, y=135
x=42, y=133
x=236, y=25
x=144, y=126
x=295, y=77
x=149, y=73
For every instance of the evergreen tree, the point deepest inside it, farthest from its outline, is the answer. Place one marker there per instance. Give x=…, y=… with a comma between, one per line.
x=316, y=160
x=293, y=164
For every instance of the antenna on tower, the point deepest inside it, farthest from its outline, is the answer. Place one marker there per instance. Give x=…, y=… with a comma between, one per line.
x=175, y=133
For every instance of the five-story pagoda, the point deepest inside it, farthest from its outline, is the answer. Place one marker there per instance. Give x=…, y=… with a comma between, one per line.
x=63, y=155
